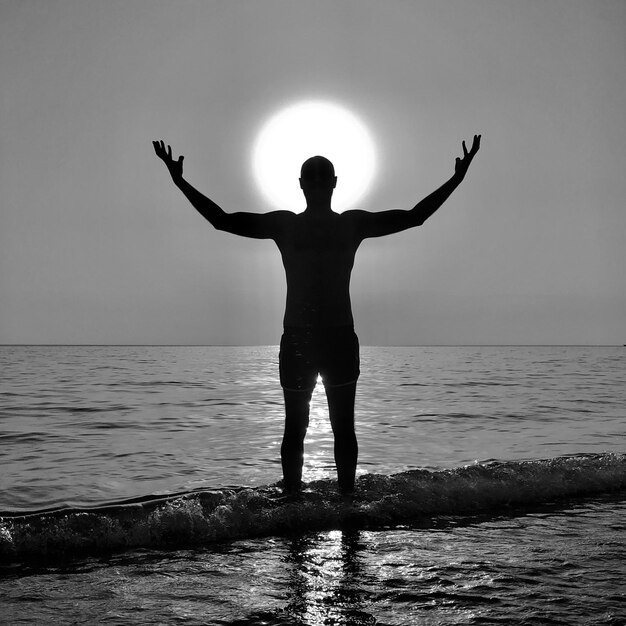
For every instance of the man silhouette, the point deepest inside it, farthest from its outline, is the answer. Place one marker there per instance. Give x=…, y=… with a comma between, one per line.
x=318, y=248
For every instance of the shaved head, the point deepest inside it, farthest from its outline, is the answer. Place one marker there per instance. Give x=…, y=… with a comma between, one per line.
x=317, y=167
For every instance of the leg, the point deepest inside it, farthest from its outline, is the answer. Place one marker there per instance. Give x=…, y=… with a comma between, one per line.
x=341, y=410
x=292, y=449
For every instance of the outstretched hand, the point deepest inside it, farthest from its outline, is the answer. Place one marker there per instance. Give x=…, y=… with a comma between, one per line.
x=175, y=167
x=461, y=166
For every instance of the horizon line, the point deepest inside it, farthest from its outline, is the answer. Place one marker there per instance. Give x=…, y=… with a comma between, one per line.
x=257, y=345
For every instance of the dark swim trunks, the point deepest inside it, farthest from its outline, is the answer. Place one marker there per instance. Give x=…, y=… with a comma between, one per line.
x=306, y=352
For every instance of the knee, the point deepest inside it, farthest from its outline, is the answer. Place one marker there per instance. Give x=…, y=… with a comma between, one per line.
x=296, y=430
x=344, y=434
x=342, y=423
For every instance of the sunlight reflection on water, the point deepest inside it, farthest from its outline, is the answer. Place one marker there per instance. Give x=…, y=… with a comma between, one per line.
x=552, y=565
x=319, y=441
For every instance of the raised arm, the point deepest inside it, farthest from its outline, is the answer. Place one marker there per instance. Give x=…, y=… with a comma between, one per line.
x=388, y=222
x=258, y=226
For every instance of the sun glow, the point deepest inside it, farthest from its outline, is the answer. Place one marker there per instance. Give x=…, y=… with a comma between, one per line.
x=308, y=129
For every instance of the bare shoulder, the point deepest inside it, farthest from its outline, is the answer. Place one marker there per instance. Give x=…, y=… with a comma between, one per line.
x=282, y=214
x=378, y=223
x=356, y=214
x=279, y=223
x=279, y=216
x=258, y=225
x=356, y=217
x=355, y=223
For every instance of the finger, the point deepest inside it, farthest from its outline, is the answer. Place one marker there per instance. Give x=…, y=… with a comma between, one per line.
x=180, y=159
x=476, y=144
x=464, y=149
x=169, y=151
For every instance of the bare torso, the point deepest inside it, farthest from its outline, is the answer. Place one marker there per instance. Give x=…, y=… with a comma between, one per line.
x=318, y=256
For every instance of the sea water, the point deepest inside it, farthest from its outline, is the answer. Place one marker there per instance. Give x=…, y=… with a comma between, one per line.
x=140, y=485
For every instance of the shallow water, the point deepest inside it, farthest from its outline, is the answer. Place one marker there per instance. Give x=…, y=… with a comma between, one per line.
x=510, y=539
x=550, y=565
x=89, y=424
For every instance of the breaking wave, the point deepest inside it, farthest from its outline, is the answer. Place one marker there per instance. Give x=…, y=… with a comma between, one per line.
x=204, y=517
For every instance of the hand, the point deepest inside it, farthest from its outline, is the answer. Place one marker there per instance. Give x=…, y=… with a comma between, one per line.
x=175, y=167
x=461, y=166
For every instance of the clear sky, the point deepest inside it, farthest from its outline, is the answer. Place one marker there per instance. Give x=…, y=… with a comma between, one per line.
x=98, y=246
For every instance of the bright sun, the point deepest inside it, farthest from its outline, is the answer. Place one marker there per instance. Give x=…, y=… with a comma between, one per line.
x=308, y=129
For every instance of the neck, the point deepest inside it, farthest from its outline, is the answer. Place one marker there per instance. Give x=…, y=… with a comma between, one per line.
x=318, y=205
x=318, y=210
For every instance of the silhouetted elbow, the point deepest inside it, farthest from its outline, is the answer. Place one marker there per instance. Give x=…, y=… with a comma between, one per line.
x=219, y=221
x=416, y=219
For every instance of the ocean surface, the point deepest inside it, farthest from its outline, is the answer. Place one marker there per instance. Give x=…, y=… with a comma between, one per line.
x=140, y=485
